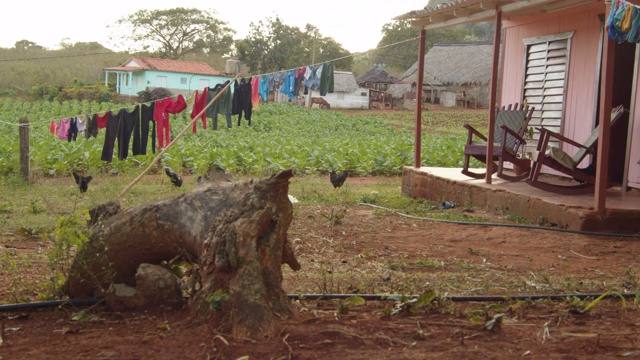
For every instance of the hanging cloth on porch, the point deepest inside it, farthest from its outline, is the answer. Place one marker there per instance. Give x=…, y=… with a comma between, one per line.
x=634, y=32
x=623, y=23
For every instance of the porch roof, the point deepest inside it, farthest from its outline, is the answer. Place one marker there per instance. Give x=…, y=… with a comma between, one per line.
x=457, y=12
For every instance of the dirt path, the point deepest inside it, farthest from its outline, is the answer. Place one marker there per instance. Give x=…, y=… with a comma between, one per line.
x=371, y=251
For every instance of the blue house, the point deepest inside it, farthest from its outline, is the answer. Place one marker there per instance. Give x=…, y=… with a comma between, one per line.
x=180, y=77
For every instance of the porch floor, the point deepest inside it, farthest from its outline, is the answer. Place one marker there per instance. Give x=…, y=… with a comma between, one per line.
x=574, y=212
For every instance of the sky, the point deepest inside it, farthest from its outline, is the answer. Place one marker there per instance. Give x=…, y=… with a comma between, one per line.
x=355, y=24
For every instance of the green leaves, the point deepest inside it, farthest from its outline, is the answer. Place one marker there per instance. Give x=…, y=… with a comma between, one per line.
x=282, y=136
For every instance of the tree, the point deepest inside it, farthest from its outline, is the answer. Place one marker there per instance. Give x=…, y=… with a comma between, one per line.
x=398, y=48
x=25, y=45
x=177, y=32
x=235, y=233
x=273, y=46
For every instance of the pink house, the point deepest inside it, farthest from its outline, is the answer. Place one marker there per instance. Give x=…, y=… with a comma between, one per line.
x=558, y=57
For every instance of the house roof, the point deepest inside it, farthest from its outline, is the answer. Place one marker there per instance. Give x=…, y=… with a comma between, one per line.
x=457, y=12
x=177, y=66
x=450, y=64
x=376, y=75
x=344, y=81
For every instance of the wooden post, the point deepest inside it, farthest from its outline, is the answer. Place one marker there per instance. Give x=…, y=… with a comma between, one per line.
x=418, y=134
x=24, y=132
x=604, y=127
x=492, y=98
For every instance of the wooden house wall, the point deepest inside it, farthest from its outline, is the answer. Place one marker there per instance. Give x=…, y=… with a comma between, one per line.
x=582, y=77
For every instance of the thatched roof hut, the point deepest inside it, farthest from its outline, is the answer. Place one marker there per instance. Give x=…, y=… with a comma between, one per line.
x=375, y=76
x=452, y=64
x=344, y=81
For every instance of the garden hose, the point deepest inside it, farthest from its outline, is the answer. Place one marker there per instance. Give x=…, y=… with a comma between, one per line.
x=523, y=226
x=367, y=297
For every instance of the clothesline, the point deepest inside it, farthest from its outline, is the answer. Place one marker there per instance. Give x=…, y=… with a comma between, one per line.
x=630, y=4
x=248, y=76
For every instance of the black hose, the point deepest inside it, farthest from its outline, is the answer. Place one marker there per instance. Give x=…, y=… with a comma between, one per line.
x=523, y=226
x=368, y=297
x=52, y=303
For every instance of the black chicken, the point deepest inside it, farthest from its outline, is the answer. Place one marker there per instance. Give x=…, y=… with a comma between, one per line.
x=338, y=179
x=82, y=181
x=176, y=179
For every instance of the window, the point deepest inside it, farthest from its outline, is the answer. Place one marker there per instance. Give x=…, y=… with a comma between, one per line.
x=204, y=83
x=545, y=81
x=183, y=81
x=138, y=80
x=161, y=81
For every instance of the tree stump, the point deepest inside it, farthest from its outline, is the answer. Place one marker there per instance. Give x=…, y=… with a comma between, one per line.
x=235, y=231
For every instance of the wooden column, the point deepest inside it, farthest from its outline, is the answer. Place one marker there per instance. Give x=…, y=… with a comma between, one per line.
x=24, y=133
x=604, y=127
x=418, y=131
x=493, y=92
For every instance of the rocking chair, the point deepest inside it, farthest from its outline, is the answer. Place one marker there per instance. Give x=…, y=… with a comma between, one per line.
x=564, y=163
x=510, y=126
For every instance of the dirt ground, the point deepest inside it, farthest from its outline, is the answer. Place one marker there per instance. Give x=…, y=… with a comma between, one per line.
x=373, y=251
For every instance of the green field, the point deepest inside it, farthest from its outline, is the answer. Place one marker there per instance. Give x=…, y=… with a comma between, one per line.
x=309, y=141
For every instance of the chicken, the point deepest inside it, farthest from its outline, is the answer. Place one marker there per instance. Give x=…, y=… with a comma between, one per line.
x=176, y=179
x=82, y=181
x=338, y=179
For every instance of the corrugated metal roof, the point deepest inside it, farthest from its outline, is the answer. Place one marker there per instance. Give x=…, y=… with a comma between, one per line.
x=177, y=66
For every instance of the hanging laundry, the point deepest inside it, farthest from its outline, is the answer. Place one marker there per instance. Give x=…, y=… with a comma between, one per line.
x=63, y=128
x=625, y=22
x=120, y=127
x=288, y=86
x=612, y=25
x=102, y=120
x=53, y=128
x=634, y=32
x=271, y=81
x=255, y=92
x=72, y=133
x=162, y=109
x=222, y=105
x=299, y=80
x=82, y=123
x=326, y=79
x=264, y=87
x=312, y=77
x=141, y=135
x=242, y=93
x=92, y=127
x=199, y=104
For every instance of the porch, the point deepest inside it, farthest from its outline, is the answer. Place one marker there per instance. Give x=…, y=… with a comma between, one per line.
x=573, y=212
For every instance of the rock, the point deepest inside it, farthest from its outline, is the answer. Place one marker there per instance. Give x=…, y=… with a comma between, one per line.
x=155, y=287
x=158, y=286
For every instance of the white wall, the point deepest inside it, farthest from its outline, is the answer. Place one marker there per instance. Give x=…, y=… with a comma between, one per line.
x=358, y=99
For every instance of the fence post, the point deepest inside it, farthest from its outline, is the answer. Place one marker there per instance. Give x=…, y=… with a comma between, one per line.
x=25, y=128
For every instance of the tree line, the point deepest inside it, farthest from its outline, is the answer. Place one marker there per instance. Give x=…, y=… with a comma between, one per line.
x=198, y=35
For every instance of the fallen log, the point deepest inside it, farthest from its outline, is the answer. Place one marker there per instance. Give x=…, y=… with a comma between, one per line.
x=236, y=233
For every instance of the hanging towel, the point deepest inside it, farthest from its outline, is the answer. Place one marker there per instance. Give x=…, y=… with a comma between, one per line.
x=326, y=78
x=634, y=32
x=199, y=104
x=264, y=87
x=618, y=9
x=63, y=128
x=53, y=128
x=255, y=91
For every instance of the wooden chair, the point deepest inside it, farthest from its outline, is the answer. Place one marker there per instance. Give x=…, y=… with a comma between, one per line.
x=559, y=160
x=509, y=130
